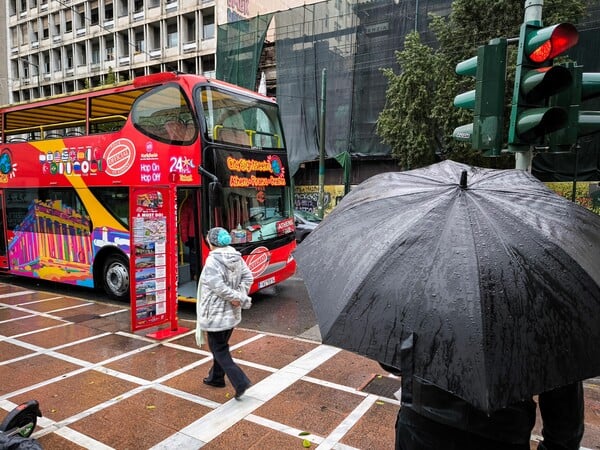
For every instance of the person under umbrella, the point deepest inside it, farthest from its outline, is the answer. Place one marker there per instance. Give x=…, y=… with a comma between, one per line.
x=481, y=285
x=433, y=419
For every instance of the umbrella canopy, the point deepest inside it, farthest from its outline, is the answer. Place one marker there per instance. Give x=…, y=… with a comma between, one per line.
x=497, y=280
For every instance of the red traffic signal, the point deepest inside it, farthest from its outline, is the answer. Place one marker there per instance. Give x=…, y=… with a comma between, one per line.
x=545, y=43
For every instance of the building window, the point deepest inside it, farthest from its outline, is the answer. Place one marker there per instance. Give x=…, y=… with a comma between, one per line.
x=95, y=53
x=208, y=26
x=172, y=35
x=94, y=16
x=108, y=12
x=140, y=45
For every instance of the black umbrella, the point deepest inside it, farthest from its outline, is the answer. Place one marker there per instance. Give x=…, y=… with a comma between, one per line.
x=496, y=276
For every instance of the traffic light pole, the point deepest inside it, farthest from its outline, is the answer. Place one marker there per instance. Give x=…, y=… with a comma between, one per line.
x=533, y=12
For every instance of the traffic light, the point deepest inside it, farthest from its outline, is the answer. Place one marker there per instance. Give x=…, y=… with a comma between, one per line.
x=536, y=81
x=486, y=100
x=569, y=99
x=589, y=121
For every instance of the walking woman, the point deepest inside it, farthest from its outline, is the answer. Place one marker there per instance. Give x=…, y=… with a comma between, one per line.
x=222, y=293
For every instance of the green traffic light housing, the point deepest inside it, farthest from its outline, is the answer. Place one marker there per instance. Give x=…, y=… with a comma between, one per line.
x=589, y=121
x=538, y=109
x=486, y=100
x=540, y=83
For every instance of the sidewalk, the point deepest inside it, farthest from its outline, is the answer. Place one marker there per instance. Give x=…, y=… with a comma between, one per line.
x=102, y=387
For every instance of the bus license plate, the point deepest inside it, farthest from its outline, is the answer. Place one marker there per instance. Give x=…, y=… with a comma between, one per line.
x=265, y=283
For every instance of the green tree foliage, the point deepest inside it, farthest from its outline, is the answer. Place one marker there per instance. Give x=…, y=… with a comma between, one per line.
x=419, y=117
x=406, y=123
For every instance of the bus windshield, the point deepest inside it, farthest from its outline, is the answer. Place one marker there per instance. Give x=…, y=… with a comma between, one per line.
x=247, y=154
x=240, y=120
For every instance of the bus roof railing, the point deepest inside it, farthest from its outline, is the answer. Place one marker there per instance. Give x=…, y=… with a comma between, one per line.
x=63, y=125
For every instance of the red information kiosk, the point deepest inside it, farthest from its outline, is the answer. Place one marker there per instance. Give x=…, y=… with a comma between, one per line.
x=153, y=260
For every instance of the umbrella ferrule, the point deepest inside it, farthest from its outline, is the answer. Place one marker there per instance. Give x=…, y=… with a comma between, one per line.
x=463, y=179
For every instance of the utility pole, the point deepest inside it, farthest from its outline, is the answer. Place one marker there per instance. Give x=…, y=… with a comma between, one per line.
x=321, y=199
x=533, y=12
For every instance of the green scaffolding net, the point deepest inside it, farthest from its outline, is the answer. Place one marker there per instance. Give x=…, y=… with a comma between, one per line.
x=353, y=41
x=239, y=46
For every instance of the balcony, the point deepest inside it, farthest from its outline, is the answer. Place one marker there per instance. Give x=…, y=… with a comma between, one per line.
x=189, y=47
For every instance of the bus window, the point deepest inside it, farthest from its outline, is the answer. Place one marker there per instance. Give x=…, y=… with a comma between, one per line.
x=164, y=114
x=240, y=120
x=115, y=200
x=56, y=205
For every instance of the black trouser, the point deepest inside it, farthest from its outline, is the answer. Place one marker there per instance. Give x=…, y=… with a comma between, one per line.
x=218, y=342
x=562, y=417
x=415, y=432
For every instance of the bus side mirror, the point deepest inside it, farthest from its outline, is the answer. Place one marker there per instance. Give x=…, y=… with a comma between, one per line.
x=215, y=194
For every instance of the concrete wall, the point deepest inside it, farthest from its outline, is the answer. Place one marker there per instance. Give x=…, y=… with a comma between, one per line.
x=3, y=54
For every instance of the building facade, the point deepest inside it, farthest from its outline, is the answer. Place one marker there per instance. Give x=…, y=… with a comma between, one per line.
x=59, y=46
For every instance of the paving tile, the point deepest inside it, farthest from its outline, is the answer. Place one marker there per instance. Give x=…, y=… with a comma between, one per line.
x=191, y=381
x=6, y=288
x=27, y=324
x=375, y=429
x=26, y=300
x=56, y=303
x=112, y=323
x=54, y=441
x=60, y=335
x=7, y=313
x=28, y=371
x=103, y=348
x=144, y=420
x=591, y=438
x=348, y=369
x=273, y=351
x=92, y=308
x=310, y=407
x=250, y=436
x=10, y=351
x=69, y=396
x=155, y=362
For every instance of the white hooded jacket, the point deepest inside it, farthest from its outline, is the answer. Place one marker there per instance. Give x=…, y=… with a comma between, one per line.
x=225, y=278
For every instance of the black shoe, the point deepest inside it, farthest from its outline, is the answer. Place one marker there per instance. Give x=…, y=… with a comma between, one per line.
x=241, y=391
x=213, y=383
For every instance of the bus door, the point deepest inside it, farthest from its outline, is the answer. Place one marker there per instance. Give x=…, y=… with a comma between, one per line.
x=3, y=256
x=189, y=236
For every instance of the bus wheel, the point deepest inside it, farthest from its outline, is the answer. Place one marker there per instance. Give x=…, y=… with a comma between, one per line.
x=116, y=277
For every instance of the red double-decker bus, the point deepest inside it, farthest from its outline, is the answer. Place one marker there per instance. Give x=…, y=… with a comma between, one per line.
x=70, y=166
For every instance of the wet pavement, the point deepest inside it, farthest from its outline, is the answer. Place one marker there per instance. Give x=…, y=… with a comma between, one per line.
x=101, y=386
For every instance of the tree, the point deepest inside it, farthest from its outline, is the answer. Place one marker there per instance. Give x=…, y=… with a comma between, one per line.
x=405, y=122
x=470, y=24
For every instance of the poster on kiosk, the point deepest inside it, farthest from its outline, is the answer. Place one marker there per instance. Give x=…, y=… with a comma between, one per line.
x=153, y=260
